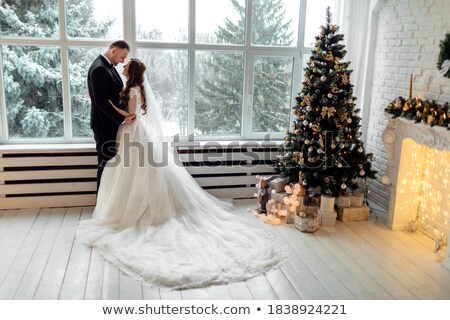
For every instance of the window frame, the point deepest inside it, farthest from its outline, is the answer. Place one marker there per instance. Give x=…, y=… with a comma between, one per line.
x=129, y=24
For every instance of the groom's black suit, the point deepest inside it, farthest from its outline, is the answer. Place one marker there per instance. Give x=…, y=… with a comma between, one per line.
x=104, y=84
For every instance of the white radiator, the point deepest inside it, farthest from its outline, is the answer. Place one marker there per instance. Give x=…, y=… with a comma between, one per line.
x=65, y=175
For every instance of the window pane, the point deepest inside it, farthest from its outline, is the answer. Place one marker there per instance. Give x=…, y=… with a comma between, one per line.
x=94, y=19
x=167, y=72
x=305, y=61
x=220, y=21
x=36, y=19
x=33, y=93
x=272, y=94
x=80, y=60
x=315, y=17
x=162, y=20
x=275, y=22
x=219, y=79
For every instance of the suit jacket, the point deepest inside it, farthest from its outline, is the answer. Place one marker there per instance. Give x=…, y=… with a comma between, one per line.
x=104, y=83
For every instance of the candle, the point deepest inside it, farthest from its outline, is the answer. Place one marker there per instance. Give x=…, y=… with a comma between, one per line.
x=410, y=85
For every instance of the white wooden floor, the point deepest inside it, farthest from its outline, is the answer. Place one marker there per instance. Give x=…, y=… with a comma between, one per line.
x=40, y=258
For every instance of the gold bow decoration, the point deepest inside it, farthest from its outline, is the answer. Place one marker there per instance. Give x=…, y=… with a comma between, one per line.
x=343, y=116
x=327, y=110
x=296, y=156
x=344, y=78
x=315, y=127
x=307, y=99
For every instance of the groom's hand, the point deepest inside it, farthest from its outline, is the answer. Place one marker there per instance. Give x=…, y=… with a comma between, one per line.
x=130, y=119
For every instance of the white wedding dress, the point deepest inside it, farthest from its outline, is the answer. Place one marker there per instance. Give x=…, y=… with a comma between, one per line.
x=158, y=225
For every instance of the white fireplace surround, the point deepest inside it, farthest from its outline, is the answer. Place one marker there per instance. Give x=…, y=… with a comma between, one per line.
x=398, y=138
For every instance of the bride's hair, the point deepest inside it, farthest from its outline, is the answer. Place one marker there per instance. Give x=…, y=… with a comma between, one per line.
x=136, y=72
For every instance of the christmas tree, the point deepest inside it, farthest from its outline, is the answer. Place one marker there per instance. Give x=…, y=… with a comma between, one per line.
x=324, y=148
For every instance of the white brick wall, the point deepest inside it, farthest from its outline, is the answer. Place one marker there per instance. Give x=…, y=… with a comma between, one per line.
x=408, y=36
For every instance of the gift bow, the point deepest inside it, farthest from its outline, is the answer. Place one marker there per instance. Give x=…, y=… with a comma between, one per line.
x=329, y=110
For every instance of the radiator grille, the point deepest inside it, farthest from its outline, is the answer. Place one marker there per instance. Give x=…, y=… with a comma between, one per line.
x=60, y=177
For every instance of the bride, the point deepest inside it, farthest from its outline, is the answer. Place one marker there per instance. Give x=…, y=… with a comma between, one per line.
x=155, y=223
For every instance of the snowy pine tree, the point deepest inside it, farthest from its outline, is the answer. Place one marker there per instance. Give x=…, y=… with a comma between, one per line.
x=218, y=105
x=32, y=74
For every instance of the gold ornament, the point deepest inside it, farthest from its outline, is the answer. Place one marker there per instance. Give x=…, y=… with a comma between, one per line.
x=344, y=78
x=343, y=116
x=329, y=56
x=327, y=110
x=336, y=60
x=321, y=141
x=407, y=106
x=315, y=127
x=307, y=99
x=335, y=89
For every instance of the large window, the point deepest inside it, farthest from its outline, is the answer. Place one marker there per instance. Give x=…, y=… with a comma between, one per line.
x=221, y=69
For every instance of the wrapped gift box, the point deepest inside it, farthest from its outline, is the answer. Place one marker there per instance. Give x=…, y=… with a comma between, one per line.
x=327, y=204
x=353, y=213
x=356, y=200
x=344, y=201
x=278, y=184
x=278, y=197
x=327, y=219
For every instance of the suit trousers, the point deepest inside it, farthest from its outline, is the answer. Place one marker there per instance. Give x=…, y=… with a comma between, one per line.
x=106, y=149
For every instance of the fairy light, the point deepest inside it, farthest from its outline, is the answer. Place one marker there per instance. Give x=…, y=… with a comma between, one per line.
x=428, y=178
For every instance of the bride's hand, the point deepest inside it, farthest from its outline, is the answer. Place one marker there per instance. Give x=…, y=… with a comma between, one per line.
x=130, y=119
x=122, y=112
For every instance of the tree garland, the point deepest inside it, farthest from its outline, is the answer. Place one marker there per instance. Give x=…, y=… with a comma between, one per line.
x=444, y=54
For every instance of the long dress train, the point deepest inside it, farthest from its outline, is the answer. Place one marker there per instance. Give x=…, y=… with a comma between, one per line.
x=155, y=223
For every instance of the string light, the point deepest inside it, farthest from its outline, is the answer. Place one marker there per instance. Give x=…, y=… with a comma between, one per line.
x=428, y=178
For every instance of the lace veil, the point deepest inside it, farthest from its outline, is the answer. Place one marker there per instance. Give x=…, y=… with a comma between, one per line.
x=163, y=130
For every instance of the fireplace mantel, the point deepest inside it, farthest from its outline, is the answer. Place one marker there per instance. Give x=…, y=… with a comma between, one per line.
x=401, y=128
x=398, y=138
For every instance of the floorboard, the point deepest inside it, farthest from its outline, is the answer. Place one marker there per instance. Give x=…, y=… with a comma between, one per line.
x=129, y=288
x=346, y=259
x=55, y=269
x=33, y=273
x=218, y=292
x=17, y=270
x=74, y=285
x=405, y=273
x=41, y=258
x=370, y=260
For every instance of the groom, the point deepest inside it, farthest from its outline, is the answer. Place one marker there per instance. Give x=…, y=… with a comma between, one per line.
x=104, y=83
